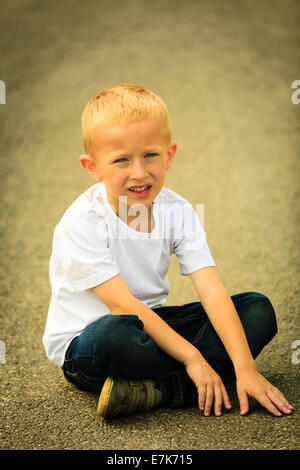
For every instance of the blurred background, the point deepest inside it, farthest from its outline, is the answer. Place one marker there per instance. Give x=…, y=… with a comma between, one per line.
x=224, y=70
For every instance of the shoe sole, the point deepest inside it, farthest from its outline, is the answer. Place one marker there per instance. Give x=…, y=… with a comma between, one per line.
x=104, y=397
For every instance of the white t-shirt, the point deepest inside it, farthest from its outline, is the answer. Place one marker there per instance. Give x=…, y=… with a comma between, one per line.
x=91, y=244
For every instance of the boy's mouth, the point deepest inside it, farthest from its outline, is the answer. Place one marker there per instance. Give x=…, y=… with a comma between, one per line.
x=141, y=190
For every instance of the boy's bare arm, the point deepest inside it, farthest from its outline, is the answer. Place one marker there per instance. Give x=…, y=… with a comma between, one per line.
x=118, y=298
x=222, y=313
x=225, y=320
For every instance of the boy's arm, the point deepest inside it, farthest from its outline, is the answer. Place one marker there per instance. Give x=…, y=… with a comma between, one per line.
x=124, y=303
x=118, y=298
x=222, y=313
x=225, y=320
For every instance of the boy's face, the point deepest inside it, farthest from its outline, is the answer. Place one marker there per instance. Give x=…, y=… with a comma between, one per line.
x=131, y=160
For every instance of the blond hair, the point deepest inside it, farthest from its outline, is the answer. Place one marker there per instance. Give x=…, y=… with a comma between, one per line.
x=119, y=105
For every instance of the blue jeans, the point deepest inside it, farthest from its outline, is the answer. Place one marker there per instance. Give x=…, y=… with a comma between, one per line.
x=117, y=346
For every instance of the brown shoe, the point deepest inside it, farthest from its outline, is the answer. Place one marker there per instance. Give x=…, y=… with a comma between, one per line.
x=121, y=397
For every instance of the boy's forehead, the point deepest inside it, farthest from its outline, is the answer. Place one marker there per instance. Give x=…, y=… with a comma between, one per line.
x=147, y=132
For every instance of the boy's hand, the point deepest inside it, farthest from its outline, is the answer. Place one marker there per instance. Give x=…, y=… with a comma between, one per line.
x=252, y=384
x=209, y=385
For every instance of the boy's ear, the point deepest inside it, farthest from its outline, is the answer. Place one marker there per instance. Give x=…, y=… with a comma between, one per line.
x=170, y=155
x=90, y=167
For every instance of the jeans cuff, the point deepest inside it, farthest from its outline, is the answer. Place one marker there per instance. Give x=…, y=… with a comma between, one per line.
x=184, y=390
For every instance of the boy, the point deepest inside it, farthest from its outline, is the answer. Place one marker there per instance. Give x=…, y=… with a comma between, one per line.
x=108, y=325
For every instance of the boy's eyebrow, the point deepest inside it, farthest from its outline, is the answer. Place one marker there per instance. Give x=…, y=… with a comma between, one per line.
x=153, y=148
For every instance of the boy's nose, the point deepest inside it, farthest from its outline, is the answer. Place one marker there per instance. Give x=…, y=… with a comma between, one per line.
x=139, y=170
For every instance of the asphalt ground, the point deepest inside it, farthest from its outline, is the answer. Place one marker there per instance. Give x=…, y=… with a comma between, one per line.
x=225, y=71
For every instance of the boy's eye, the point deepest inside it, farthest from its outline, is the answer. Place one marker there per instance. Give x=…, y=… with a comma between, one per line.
x=151, y=155
x=125, y=159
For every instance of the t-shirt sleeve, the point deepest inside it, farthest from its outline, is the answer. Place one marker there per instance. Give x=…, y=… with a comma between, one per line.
x=190, y=245
x=81, y=254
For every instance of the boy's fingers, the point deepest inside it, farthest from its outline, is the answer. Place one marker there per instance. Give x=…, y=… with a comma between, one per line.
x=266, y=403
x=218, y=400
x=244, y=404
x=209, y=399
x=201, y=396
x=279, y=400
x=283, y=399
x=225, y=397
